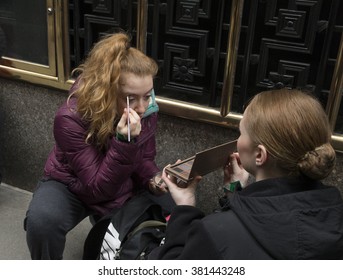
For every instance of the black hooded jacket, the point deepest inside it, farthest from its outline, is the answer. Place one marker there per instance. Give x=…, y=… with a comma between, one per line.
x=282, y=218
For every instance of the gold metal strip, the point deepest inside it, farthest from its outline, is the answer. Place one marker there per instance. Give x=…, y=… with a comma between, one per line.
x=51, y=14
x=232, y=50
x=28, y=66
x=62, y=46
x=337, y=143
x=29, y=76
x=197, y=113
x=24, y=64
x=336, y=88
x=142, y=22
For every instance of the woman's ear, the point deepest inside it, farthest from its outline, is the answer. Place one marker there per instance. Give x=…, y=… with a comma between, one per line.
x=261, y=155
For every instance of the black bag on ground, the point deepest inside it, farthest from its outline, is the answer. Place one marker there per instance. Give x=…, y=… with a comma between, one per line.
x=128, y=233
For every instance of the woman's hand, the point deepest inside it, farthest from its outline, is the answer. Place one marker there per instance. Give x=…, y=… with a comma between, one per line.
x=234, y=171
x=182, y=194
x=135, y=124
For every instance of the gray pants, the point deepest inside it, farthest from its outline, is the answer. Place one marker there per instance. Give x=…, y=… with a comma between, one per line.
x=52, y=213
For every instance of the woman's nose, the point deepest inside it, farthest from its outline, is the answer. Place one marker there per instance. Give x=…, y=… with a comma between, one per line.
x=140, y=107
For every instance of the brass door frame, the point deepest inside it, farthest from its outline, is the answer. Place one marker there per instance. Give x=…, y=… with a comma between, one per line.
x=336, y=89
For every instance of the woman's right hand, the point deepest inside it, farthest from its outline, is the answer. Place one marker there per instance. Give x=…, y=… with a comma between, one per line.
x=234, y=171
x=135, y=124
x=181, y=194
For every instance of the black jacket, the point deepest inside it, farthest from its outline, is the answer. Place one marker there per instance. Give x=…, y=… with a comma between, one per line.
x=283, y=218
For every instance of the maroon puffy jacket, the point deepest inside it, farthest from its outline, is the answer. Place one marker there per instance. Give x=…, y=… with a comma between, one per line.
x=101, y=180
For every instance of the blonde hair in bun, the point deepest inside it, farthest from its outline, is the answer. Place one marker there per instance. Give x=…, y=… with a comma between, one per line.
x=318, y=164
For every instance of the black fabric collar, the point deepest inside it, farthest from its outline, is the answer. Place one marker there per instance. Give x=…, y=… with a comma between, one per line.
x=281, y=186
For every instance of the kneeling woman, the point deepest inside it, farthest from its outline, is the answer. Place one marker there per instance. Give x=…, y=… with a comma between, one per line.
x=287, y=213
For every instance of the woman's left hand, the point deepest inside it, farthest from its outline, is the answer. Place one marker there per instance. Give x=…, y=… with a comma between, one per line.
x=135, y=123
x=182, y=194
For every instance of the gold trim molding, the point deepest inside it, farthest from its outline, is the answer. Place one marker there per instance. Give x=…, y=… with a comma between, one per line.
x=232, y=50
x=336, y=89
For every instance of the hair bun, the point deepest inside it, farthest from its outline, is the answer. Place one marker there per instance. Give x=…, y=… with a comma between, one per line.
x=319, y=163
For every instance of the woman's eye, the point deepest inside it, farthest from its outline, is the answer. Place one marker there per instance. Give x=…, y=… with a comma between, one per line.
x=147, y=97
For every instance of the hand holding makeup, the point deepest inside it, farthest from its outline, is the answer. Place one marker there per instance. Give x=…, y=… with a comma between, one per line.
x=134, y=122
x=233, y=171
x=181, y=195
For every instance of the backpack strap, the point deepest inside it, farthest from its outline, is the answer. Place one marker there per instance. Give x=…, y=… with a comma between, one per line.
x=145, y=224
x=135, y=211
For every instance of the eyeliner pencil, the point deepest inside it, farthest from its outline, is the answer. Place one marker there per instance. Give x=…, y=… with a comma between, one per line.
x=128, y=119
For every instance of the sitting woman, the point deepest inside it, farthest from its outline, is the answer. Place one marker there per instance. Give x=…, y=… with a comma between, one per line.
x=105, y=145
x=287, y=213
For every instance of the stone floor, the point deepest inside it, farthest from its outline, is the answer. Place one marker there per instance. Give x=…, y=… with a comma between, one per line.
x=13, y=205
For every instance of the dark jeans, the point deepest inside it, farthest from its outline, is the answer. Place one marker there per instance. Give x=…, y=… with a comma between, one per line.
x=53, y=212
